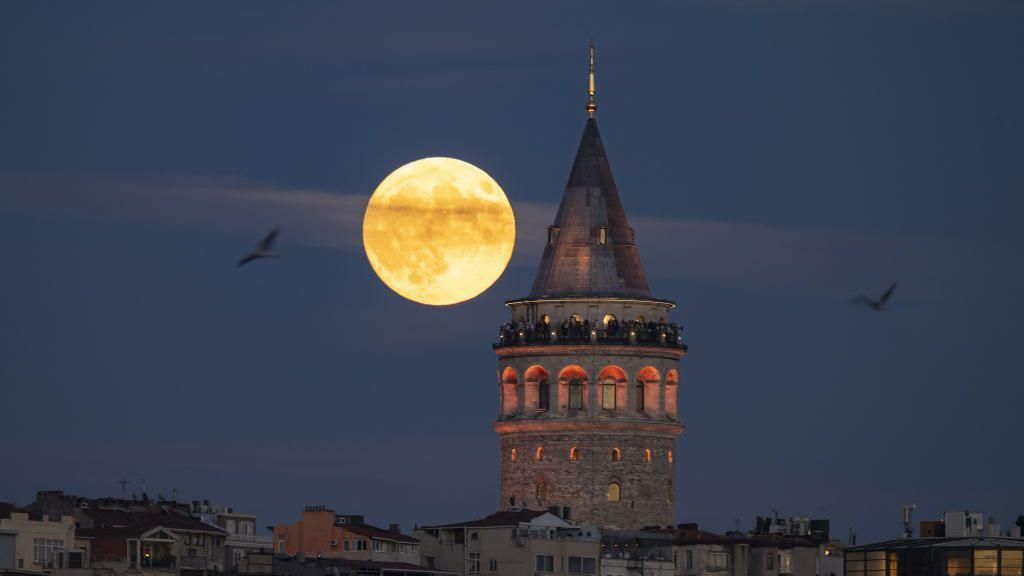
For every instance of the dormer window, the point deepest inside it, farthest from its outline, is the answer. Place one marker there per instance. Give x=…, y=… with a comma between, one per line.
x=552, y=235
x=603, y=236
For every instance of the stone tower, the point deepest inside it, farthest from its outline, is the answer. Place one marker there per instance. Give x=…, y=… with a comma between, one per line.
x=589, y=366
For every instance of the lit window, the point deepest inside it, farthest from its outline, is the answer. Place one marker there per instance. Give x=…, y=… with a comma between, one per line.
x=647, y=455
x=542, y=492
x=670, y=459
x=613, y=492
x=575, y=395
x=608, y=395
x=616, y=454
x=513, y=455
x=552, y=235
x=539, y=453
x=1012, y=562
x=603, y=238
x=574, y=454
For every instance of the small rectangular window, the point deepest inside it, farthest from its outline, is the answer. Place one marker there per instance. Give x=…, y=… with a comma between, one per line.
x=603, y=235
x=689, y=559
x=474, y=562
x=494, y=564
x=552, y=235
x=545, y=563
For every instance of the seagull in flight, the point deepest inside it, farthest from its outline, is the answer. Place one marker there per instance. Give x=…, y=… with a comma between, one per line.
x=881, y=304
x=265, y=249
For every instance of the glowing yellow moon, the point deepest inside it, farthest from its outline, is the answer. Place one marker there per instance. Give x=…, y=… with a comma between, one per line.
x=439, y=231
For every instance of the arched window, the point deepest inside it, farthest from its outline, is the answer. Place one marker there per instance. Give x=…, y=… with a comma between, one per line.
x=650, y=379
x=509, y=392
x=572, y=389
x=513, y=455
x=670, y=459
x=538, y=393
x=647, y=455
x=613, y=388
x=539, y=453
x=575, y=394
x=574, y=454
x=672, y=394
x=616, y=455
x=614, y=492
x=542, y=491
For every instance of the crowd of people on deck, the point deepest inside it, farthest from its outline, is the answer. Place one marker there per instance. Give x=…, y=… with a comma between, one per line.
x=575, y=328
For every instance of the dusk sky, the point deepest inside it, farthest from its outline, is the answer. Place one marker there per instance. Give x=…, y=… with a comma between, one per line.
x=775, y=159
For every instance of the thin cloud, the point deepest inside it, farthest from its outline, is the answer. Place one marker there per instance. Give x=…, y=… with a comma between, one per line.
x=733, y=254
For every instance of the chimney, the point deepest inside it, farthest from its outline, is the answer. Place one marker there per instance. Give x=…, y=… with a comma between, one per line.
x=394, y=528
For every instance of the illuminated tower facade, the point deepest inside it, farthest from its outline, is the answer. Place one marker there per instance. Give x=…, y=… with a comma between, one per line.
x=589, y=366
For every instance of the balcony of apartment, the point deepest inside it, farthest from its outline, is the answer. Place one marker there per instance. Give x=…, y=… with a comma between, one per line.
x=574, y=332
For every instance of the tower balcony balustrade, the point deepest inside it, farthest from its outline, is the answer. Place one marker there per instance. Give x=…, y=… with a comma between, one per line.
x=633, y=333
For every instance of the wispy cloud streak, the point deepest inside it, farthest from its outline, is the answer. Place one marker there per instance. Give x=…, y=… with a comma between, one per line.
x=735, y=254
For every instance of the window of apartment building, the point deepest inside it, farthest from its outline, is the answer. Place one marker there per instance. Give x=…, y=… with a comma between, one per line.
x=582, y=565
x=345, y=545
x=493, y=565
x=718, y=561
x=675, y=559
x=785, y=563
x=360, y=545
x=44, y=550
x=986, y=563
x=474, y=535
x=545, y=563
x=689, y=559
x=1012, y=562
x=769, y=560
x=377, y=545
x=474, y=562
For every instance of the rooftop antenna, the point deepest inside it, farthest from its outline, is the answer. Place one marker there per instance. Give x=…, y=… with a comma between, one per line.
x=591, y=101
x=908, y=523
x=124, y=483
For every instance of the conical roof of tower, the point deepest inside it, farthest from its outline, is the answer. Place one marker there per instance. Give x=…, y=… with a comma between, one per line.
x=576, y=262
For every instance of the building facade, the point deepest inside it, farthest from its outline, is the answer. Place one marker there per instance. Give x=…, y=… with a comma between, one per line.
x=588, y=367
x=512, y=543
x=35, y=542
x=322, y=532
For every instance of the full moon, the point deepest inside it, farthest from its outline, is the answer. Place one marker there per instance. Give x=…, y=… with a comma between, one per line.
x=439, y=231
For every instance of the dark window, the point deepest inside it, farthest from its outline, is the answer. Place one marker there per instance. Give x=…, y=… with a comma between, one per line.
x=640, y=397
x=544, y=402
x=689, y=559
x=575, y=395
x=545, y=563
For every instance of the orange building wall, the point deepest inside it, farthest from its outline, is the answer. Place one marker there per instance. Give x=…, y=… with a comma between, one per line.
x=313, y=534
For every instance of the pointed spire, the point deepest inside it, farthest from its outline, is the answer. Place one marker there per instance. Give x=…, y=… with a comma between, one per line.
x=591, y=101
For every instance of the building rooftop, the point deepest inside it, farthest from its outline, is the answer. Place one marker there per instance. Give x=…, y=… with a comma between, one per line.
x=941, y=542
x=502, y=518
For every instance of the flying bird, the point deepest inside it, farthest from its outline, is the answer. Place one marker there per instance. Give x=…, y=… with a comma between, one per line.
x=881, y=304
x=264, y=250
